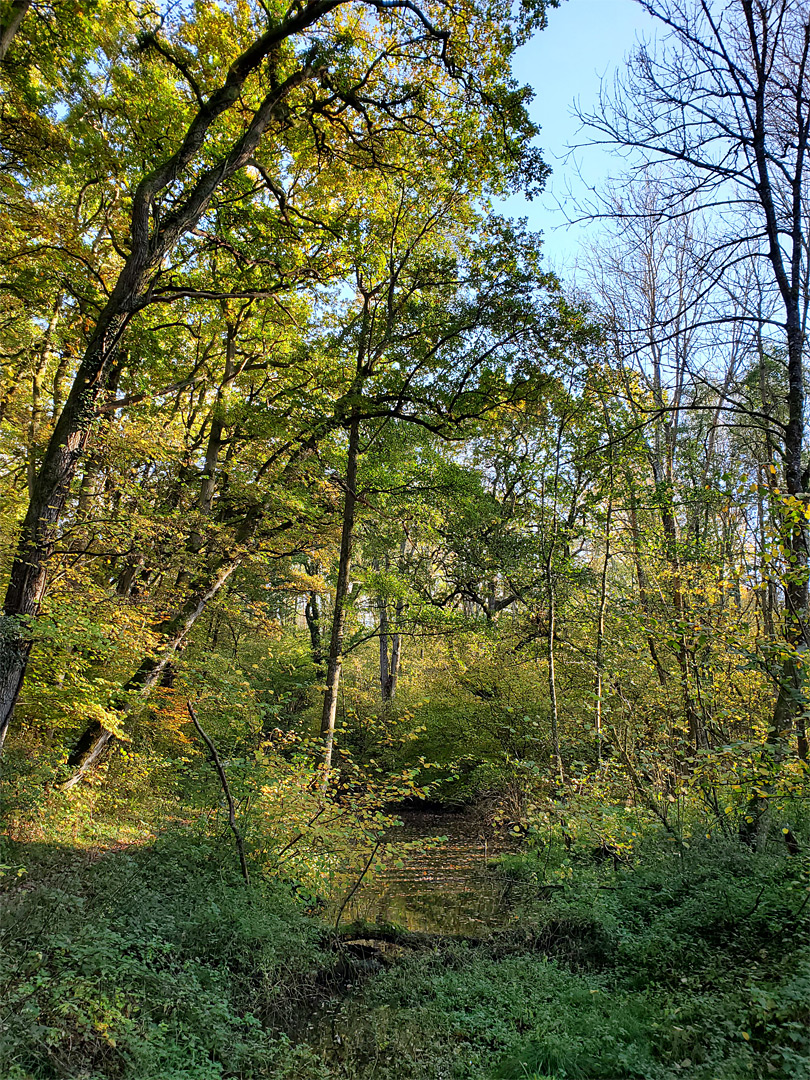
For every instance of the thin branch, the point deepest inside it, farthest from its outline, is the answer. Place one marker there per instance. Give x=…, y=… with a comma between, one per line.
x=357, y=884
x=240, y=845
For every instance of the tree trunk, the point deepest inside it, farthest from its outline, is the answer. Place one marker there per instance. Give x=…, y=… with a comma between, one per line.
x=335, y=659
x=789, y=277
x=552, y=680
x=49, y=492
x=9, y=31
x=600, y=630
x=385, y=676
x=694, y=720
x=59, y=380
x=551, y=601
x=36, y=393
x=766, y=589
x=393, y=666
x=312, y=614
x=389, y=664
x=789, y=707
x=96, y=740
x=641, y=577
x=215, y=442
x=126, y=578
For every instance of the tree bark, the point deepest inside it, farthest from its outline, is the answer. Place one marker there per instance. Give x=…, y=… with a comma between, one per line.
x=45, y=353
x=385, y=674
x=552, y=675
x=216, y=433
x=641, y=577
x=600, y=627
x=312, y=614
x=389, y=661
x=393, y=666
x=9, y=31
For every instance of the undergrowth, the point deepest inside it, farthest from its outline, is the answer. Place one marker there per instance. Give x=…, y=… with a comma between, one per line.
x=158, y=963
x=688, y=963
x=154, y=962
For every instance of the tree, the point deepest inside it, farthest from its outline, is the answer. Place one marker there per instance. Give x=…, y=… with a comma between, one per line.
x=300, y=83
x=443, y=307
x=723, y=107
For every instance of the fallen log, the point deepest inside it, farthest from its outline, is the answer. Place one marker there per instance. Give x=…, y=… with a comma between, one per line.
x=578, y=942
x=395, y=935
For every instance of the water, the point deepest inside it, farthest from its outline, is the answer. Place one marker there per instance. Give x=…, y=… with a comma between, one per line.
x=447, y=888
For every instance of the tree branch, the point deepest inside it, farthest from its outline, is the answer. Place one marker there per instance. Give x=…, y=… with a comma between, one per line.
x=240, y=845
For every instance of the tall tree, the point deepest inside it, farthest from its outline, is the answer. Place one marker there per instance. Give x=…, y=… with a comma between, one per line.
x=438, y=319
x=723, y=105
x=300, y=76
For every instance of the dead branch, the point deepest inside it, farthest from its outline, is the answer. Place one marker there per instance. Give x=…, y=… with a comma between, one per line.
x=240, y=844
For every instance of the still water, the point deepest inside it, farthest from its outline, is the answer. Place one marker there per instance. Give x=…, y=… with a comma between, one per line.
x=448, y=887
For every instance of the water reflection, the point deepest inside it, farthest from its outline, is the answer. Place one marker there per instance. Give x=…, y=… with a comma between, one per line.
x=448, y=888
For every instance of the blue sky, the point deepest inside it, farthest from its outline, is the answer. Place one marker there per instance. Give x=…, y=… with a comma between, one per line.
x=585, y=41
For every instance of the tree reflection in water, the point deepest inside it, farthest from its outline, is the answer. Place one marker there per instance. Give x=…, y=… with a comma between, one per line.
x=448, y=888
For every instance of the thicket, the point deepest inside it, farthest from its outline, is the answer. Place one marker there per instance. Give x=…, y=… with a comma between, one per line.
x=152, y=962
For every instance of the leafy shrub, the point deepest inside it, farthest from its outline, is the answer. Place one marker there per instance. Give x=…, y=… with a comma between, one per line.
x=158, y=963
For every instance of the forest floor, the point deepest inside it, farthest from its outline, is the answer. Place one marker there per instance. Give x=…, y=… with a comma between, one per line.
x=155, y=962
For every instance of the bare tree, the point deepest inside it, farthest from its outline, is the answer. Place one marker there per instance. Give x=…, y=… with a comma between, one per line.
x=723, y=107
x=655, y=294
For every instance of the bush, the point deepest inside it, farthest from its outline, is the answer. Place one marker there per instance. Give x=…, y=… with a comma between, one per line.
x=154, y=963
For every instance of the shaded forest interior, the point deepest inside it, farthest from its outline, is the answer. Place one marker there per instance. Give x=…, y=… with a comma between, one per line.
x=324, y=499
